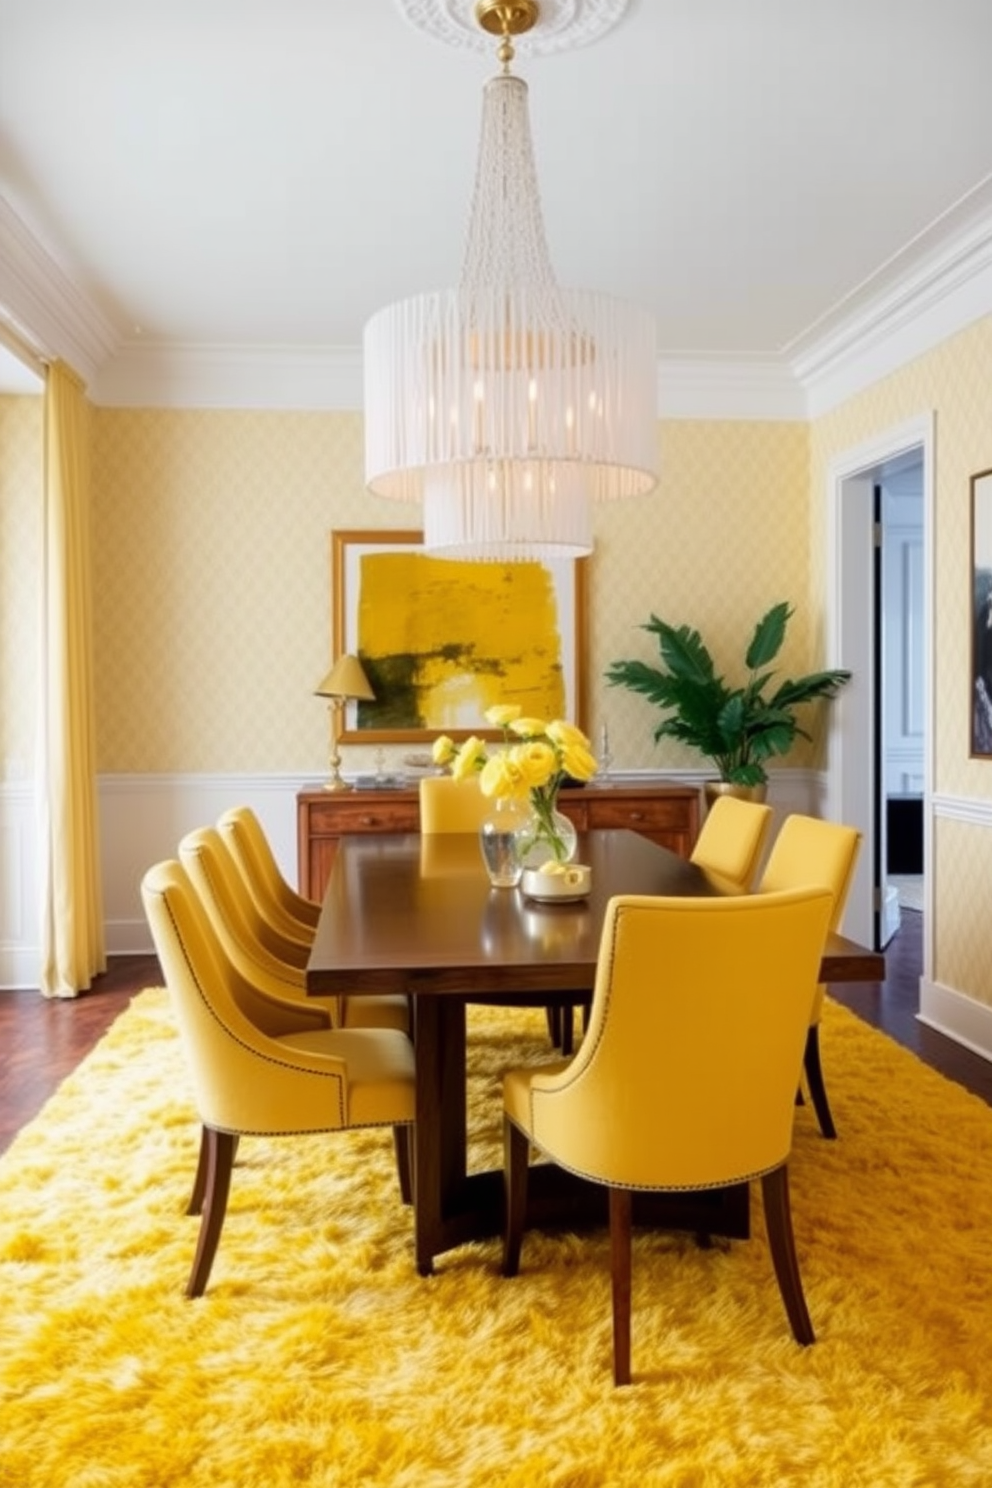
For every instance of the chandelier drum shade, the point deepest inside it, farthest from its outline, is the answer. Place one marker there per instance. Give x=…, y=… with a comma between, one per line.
x=506, y=406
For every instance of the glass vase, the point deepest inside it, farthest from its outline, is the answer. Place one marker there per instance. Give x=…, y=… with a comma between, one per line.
x=500, y=841
x=549, y=835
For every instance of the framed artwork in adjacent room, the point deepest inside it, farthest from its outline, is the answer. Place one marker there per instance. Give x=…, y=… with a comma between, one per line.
x=443, y=639
x=981, y=602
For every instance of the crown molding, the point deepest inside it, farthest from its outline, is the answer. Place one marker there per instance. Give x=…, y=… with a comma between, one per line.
x=177, y=375
x=44, y=306
x=172, y=375
x=729, y=387
x=934, y=287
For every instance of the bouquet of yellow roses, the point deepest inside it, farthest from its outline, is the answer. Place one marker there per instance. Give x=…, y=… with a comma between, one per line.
x=534, y=760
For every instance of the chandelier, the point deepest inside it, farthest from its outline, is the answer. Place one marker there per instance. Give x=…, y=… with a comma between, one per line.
x=508, y=405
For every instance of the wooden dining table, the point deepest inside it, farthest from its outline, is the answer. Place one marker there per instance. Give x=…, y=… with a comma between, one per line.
x=416, y=914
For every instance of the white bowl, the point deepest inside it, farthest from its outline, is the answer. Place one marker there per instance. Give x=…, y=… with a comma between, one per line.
x=573, y=881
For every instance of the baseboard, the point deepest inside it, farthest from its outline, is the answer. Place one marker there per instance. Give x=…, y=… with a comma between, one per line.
x=958, y=1017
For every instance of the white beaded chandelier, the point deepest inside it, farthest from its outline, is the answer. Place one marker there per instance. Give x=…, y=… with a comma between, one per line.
x=506, y=406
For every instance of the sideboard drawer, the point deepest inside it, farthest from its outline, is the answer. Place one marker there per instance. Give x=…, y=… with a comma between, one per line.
x=644, y=815
x=346, y=815
x=670, y=820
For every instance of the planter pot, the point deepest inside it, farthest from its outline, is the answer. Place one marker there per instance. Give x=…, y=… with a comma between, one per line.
x=714, y=788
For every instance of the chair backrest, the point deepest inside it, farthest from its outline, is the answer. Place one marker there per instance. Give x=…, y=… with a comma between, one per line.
x=248, y=939
x=809, y=850
x=732, y=838
x=449, y=805
x=240, y=1081
x=247, y=843
x=687, y=1074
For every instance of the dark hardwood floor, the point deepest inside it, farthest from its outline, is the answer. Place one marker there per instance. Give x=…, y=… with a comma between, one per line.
x=42, y=1041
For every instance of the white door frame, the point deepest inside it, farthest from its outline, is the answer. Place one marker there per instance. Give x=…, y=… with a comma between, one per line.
x=851, y=784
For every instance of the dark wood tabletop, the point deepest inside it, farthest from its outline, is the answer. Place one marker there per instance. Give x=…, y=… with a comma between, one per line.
x=412, y=913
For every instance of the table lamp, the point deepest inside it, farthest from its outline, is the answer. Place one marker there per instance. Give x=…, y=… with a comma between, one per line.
x=346, y=679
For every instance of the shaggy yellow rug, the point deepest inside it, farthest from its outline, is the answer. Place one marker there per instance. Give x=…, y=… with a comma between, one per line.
x=318, y=1356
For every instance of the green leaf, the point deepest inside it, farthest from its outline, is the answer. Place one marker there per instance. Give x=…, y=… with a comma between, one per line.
x=805, y=689
x=769, y=633
x=682, y=651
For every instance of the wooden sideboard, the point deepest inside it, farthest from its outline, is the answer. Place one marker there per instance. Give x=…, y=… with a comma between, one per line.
x=668, y=814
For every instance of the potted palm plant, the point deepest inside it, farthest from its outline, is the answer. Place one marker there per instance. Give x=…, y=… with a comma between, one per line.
x=738, y=727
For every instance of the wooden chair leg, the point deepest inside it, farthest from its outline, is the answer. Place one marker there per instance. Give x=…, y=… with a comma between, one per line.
x=403, y=1143
x=814, y=1079
x=221, y=1147
x=195, y=1205
x=620, y=1211
x=781, y=1240
x=516, y=1157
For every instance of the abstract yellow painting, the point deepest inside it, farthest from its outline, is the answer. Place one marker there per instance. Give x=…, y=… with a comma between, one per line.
x=441, y=640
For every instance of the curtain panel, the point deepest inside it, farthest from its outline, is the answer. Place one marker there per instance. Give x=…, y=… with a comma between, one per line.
x=72, y=932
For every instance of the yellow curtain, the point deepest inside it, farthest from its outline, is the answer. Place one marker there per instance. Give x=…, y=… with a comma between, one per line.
x=72, y=939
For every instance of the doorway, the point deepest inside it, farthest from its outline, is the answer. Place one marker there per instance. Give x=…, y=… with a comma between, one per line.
x=879, y=588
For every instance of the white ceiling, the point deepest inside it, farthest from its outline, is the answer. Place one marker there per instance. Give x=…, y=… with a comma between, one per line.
x=270, y=172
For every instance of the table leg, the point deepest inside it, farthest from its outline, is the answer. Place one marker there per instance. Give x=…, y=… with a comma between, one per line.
x=441, y=1131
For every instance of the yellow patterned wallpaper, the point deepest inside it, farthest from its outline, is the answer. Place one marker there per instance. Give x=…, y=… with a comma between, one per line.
x=20, y=557
x=212, y=576
x=724, y=536
x=955, y=382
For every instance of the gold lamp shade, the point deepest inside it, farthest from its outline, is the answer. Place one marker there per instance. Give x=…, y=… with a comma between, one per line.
x=346, y=679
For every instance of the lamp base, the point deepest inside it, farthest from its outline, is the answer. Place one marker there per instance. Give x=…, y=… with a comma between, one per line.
x=337, y=784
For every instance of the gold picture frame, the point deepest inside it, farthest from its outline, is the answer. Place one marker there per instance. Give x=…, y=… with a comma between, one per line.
x=442, y=639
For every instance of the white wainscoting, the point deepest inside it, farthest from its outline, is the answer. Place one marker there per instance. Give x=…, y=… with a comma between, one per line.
x=142, y=818
x=18, y=886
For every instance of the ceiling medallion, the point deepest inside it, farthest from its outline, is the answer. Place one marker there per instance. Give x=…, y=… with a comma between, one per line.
x=564, y=24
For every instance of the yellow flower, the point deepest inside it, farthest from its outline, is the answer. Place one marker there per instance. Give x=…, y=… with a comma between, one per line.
x=501, y=777
x=528, y=728
x=537, y=762
x=578, y=762
x=565, y=734
x=469, y=758
x=501, y=715
x=443, y=750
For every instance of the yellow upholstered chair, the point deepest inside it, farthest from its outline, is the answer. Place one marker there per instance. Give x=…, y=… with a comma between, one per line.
x=808, y=850
x=272, y=961
x=260, y=1067
x=686, y=1078
x=274, y=898
x=731, y=840
x=449, y=805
